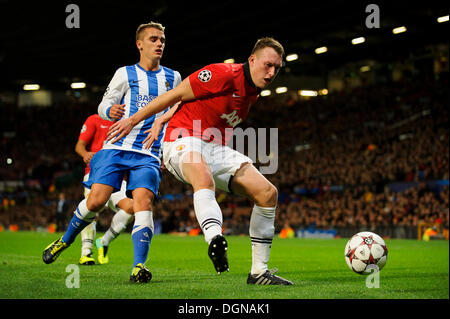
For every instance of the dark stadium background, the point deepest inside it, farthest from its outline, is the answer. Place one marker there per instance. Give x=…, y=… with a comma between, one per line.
x=372, y=154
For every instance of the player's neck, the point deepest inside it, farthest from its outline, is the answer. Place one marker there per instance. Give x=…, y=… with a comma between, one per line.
x=149, y=65
x=248, y=76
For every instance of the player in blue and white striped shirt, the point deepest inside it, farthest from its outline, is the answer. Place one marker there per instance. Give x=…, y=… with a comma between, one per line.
x=134, y=87
x=131, y=88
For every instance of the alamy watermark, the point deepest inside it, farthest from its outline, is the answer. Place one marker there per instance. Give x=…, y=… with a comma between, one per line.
x=373, y=19
x=73, y=19
x=73, y=279
x=260, y=145
x=373, y=279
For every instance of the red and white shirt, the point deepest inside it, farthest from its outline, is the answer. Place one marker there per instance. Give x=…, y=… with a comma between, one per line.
x=224, y=94
x=94, y=133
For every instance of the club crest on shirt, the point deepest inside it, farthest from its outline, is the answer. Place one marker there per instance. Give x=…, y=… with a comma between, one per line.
x=204, y=75
x=180, y=147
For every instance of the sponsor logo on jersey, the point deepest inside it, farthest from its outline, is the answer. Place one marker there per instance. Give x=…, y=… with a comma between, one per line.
x=84, y=128
x=143, y=100
x=232, y=118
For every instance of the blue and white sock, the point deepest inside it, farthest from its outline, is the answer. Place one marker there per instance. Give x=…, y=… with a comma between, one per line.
x=141, y=235
x=81, y=218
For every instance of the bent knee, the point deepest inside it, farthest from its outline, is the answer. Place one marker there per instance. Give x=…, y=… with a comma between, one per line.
x=127, y=205
x=95, y=204
x=141, y=203
x=268, y=197
x=272, y=195
x=204, y=181
x=198, y=175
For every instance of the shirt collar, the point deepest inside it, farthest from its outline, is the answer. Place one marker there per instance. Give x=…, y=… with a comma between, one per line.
x=248, y=77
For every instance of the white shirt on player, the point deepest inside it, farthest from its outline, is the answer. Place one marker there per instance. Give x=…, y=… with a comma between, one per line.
x=135, y=87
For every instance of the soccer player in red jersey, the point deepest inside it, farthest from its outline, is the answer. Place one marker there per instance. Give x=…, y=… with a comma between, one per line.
x=91, y=139
x=214, y=99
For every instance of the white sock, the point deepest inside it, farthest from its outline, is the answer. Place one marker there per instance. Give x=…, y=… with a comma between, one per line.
x=87, y=238
x=143, y=219
x=82, y=212
x=209, y=215
x=118, y=223
x=262, y=230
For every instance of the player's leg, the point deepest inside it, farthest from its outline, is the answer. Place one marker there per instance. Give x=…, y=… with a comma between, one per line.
x=87, y=242
x=105, y=177
x=197, y=172
x=122, y=206
x=188, y=160
x=144, y=179
x=249, y=182
x=87, y=235
x=83, y=215
x=143, y=227
x=142, y=233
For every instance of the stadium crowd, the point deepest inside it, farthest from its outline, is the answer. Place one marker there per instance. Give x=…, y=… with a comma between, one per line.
x=338, y=156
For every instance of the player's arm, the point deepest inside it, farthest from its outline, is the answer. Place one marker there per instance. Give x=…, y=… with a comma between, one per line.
x=86, y=136
x=110, y=108
x=181, y=93
x=158, y=126
x=81, y=149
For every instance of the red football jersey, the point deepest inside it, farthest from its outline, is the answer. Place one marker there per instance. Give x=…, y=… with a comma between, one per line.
x=223, y=96
x=93, y=133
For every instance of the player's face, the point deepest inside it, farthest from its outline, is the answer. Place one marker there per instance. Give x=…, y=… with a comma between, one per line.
x=264, y=66
x=151, y=44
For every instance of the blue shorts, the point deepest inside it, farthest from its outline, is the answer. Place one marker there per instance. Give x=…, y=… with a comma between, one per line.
x=109, y=166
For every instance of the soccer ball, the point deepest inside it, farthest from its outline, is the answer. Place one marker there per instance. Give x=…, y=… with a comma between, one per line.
x=365, y=251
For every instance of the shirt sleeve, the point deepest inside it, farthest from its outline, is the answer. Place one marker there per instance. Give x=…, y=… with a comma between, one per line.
x=213, y=79
x=88, y=130
x=114, y=93
x=178, y=79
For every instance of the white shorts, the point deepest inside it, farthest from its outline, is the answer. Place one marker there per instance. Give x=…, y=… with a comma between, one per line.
x=223, y=160
x=115, y=197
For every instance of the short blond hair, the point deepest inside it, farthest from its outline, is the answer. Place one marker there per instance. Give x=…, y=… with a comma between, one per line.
x=268, y=42
x=144, y=26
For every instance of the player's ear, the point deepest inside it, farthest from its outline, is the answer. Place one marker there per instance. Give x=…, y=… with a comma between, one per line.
x=139, y=44
x=251, y=59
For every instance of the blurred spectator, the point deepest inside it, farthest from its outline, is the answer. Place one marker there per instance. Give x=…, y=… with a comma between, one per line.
x=61, y=215
x=287, y=231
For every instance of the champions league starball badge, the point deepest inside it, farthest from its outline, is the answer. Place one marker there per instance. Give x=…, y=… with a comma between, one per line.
x=204, y=75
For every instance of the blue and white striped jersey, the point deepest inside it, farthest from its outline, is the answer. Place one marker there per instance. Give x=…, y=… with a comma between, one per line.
x=135, y=87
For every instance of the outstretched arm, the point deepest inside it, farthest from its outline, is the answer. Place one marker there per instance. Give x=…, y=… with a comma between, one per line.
x=183, y=92
x=157, y=126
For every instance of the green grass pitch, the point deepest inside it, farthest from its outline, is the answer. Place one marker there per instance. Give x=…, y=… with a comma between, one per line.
x=182, y=270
